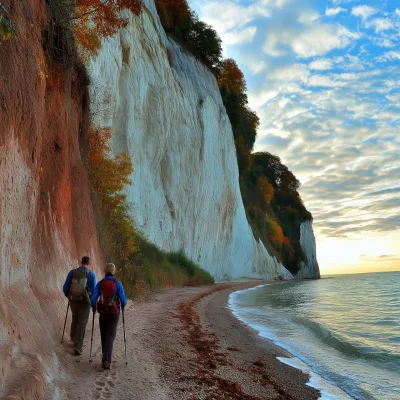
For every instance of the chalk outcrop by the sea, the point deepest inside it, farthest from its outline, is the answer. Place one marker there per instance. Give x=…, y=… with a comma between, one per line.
x=166, y=112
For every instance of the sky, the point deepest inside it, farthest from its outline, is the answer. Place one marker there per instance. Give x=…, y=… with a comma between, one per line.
x=324, y=78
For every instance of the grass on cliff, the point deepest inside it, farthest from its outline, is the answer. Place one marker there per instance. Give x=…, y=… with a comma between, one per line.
x=142, y=265
x=153, y=269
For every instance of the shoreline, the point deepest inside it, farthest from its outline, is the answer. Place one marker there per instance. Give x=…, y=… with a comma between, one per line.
x=186, y=344
x=256, y=355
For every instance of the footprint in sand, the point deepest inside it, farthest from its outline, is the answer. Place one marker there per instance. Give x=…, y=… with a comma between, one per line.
x=111, y=383
x=99, y=383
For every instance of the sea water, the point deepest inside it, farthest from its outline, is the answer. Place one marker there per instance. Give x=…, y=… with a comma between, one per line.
x=343, y=330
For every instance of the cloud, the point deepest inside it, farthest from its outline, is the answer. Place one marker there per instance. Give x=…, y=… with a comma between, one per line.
x=321, y=64
x=235, y=37
x=364, y=12
x=380, y=24
x=256, y=66
x=383, y=42
x=294, y=72
x=325, y=81
x=319, y=40
x=331, y=12
x=314, y=40
x=380, y=258
x=277, y=142
x=337, y=2
x=386, y=191
x=234, y=15
x=328, y=98
x=389, y=56
x=308, y=17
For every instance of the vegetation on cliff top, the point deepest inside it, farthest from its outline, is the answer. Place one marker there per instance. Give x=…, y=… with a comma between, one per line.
x=85, y=23
x=269, y=189
x=194, y=35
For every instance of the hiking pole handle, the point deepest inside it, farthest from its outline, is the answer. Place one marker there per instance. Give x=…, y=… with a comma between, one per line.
x=65, y=323
x=123, y=323
x=91, y=341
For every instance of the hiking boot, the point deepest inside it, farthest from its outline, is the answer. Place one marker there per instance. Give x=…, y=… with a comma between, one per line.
x=106, y=364
x=78, y=351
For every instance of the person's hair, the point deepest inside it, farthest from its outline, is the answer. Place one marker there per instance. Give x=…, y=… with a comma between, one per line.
x=110, y=269
x=86, y=260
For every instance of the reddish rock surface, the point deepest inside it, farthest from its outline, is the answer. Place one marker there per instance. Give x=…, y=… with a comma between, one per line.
x=47, y=220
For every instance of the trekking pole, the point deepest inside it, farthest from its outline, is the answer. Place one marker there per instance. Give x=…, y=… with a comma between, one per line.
x=91, y=341
x=65, y=323
x=123, y=323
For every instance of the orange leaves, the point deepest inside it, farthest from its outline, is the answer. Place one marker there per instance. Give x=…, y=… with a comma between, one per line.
x=280, y=242
x=265, y=189
x=231, y=77
x=109, y=176
x=276, y=234
x=95, y=19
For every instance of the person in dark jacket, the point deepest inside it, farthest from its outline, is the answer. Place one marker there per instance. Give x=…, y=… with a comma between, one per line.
x=78, y=287
x=112, y=299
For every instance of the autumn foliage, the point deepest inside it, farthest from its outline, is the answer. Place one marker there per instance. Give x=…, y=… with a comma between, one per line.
x=174, y=14
x=96, y=19
x=276, y=234
x=265, y=189
x=108, y=176
x=231, y=78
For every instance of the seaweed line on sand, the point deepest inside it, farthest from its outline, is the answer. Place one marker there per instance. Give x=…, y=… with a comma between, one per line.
x=208, y=357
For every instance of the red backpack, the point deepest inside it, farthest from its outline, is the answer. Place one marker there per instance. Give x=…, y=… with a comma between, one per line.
x=108, y=303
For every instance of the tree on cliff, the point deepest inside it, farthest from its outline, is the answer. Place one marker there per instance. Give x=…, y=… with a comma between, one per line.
x=231, y=78
x=88, y=20
x=109, y=175
x=95, y=19
x=243, y=120
x=174, y=14
x=197, y=37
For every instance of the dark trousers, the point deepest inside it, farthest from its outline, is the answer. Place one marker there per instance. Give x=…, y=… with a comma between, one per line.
x=80, y=315
x=108, y=329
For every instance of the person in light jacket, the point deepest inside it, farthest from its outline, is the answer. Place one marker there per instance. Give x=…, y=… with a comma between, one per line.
x=112, y=299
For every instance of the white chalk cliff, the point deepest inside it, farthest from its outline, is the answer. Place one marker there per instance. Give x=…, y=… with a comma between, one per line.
x=165, y=111
x=309, y=268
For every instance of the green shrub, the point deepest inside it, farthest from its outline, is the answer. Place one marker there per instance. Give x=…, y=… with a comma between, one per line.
x=181, y=270
x=197, y=37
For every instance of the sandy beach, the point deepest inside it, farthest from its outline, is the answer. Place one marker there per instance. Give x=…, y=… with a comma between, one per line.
x=183, y=344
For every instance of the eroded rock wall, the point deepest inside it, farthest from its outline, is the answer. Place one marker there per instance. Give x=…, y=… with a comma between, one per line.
x=309, y=268
x=165, y=111
x=46, y=216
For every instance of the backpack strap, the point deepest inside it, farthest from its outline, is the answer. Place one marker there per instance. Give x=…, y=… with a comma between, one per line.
x=76, y=270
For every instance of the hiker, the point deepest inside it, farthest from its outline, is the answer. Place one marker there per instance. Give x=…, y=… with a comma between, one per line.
x=112, y=298
x=78, y=287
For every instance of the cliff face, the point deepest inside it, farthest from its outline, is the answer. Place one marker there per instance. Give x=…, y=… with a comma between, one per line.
x=309, y=268
x=166, y=112
x=46, y=216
